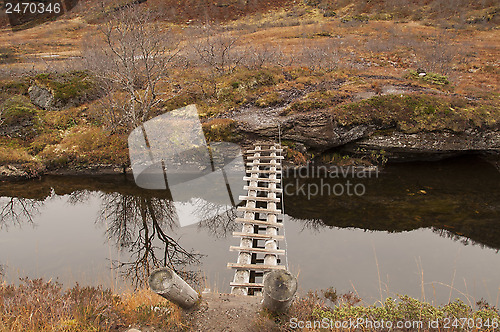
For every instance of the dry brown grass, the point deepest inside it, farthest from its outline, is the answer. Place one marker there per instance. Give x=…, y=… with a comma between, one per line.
x=13, y=154
x=291, y=57
x=37, y=305
x=84, y=145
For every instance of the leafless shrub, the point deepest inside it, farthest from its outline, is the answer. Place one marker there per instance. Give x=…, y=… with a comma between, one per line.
x=258, y=57
x=320, y=57
x=131, y=57
x=437, y=53
x=217, y=51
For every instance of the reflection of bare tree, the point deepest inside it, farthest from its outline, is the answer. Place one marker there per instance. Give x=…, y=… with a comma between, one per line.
x=458, y=238
x=15, y=211
x=312, y=224
x=79, y=196
x=218, y=219
x=138, y=224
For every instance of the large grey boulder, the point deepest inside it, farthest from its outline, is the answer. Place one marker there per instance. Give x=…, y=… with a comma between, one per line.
x=41, y=97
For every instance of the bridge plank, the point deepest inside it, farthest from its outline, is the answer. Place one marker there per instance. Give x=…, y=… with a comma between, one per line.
x=265, y=157
x=258, y=250
x=246, y=284
x=275, y=190
x=255, y=267
x=262, y=171
x=265, y=150
x=258, y=199
x=259, y=236
x=258, y=222
x=264, y=164
x=258, y=210
x=248, y=178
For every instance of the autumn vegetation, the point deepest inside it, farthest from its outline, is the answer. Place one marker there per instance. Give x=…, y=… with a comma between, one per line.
x=111, y=66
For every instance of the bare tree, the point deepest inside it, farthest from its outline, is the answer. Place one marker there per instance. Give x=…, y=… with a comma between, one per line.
x=130, y=56
x=216, y=54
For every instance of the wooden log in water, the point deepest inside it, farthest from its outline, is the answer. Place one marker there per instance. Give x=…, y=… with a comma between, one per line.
x=167, y=283
x=280, y=287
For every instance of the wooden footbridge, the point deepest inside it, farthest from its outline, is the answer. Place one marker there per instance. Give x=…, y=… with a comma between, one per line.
x=258, y=252
x=262, y=222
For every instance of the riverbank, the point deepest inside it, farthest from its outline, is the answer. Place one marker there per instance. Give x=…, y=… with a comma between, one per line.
x=44, y=306
x=346, y=90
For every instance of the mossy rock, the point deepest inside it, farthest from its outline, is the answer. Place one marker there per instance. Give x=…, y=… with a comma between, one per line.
x=418, y=113
x=56, y=91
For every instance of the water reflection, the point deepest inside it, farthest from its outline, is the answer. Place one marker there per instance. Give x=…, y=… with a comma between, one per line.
x=457, y=200
x=142, y=224
x=217, y=219
x=16, y=211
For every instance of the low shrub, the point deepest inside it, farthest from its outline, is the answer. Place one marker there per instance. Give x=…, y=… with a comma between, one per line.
x=269, y=99
x=84, y=146
x=431, y=78
x=74, y=88
x=317, y=100
x=220, y=130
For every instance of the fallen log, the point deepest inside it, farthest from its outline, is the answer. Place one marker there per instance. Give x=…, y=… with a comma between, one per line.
x=166, y=283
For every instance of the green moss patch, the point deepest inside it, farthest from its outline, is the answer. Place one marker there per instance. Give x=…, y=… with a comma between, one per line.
x=251, y=79
x=317, y=100
x=14, y=87
x=17, y=110
x=415, y=113
x=431, y=78
x=76, y=87
x=270, y=99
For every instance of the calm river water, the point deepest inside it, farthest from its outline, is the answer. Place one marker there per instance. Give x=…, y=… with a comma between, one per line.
x=428, y=230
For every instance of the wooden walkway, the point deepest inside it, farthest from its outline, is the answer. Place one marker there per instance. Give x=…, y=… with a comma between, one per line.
x=262, y=221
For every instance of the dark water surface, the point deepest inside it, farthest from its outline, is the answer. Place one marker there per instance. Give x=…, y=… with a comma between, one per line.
x=429, y=230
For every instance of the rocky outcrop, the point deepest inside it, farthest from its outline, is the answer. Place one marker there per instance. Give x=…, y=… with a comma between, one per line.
x=431, y=145
x=19, y=172
x=321, y=132
x=23, y=128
